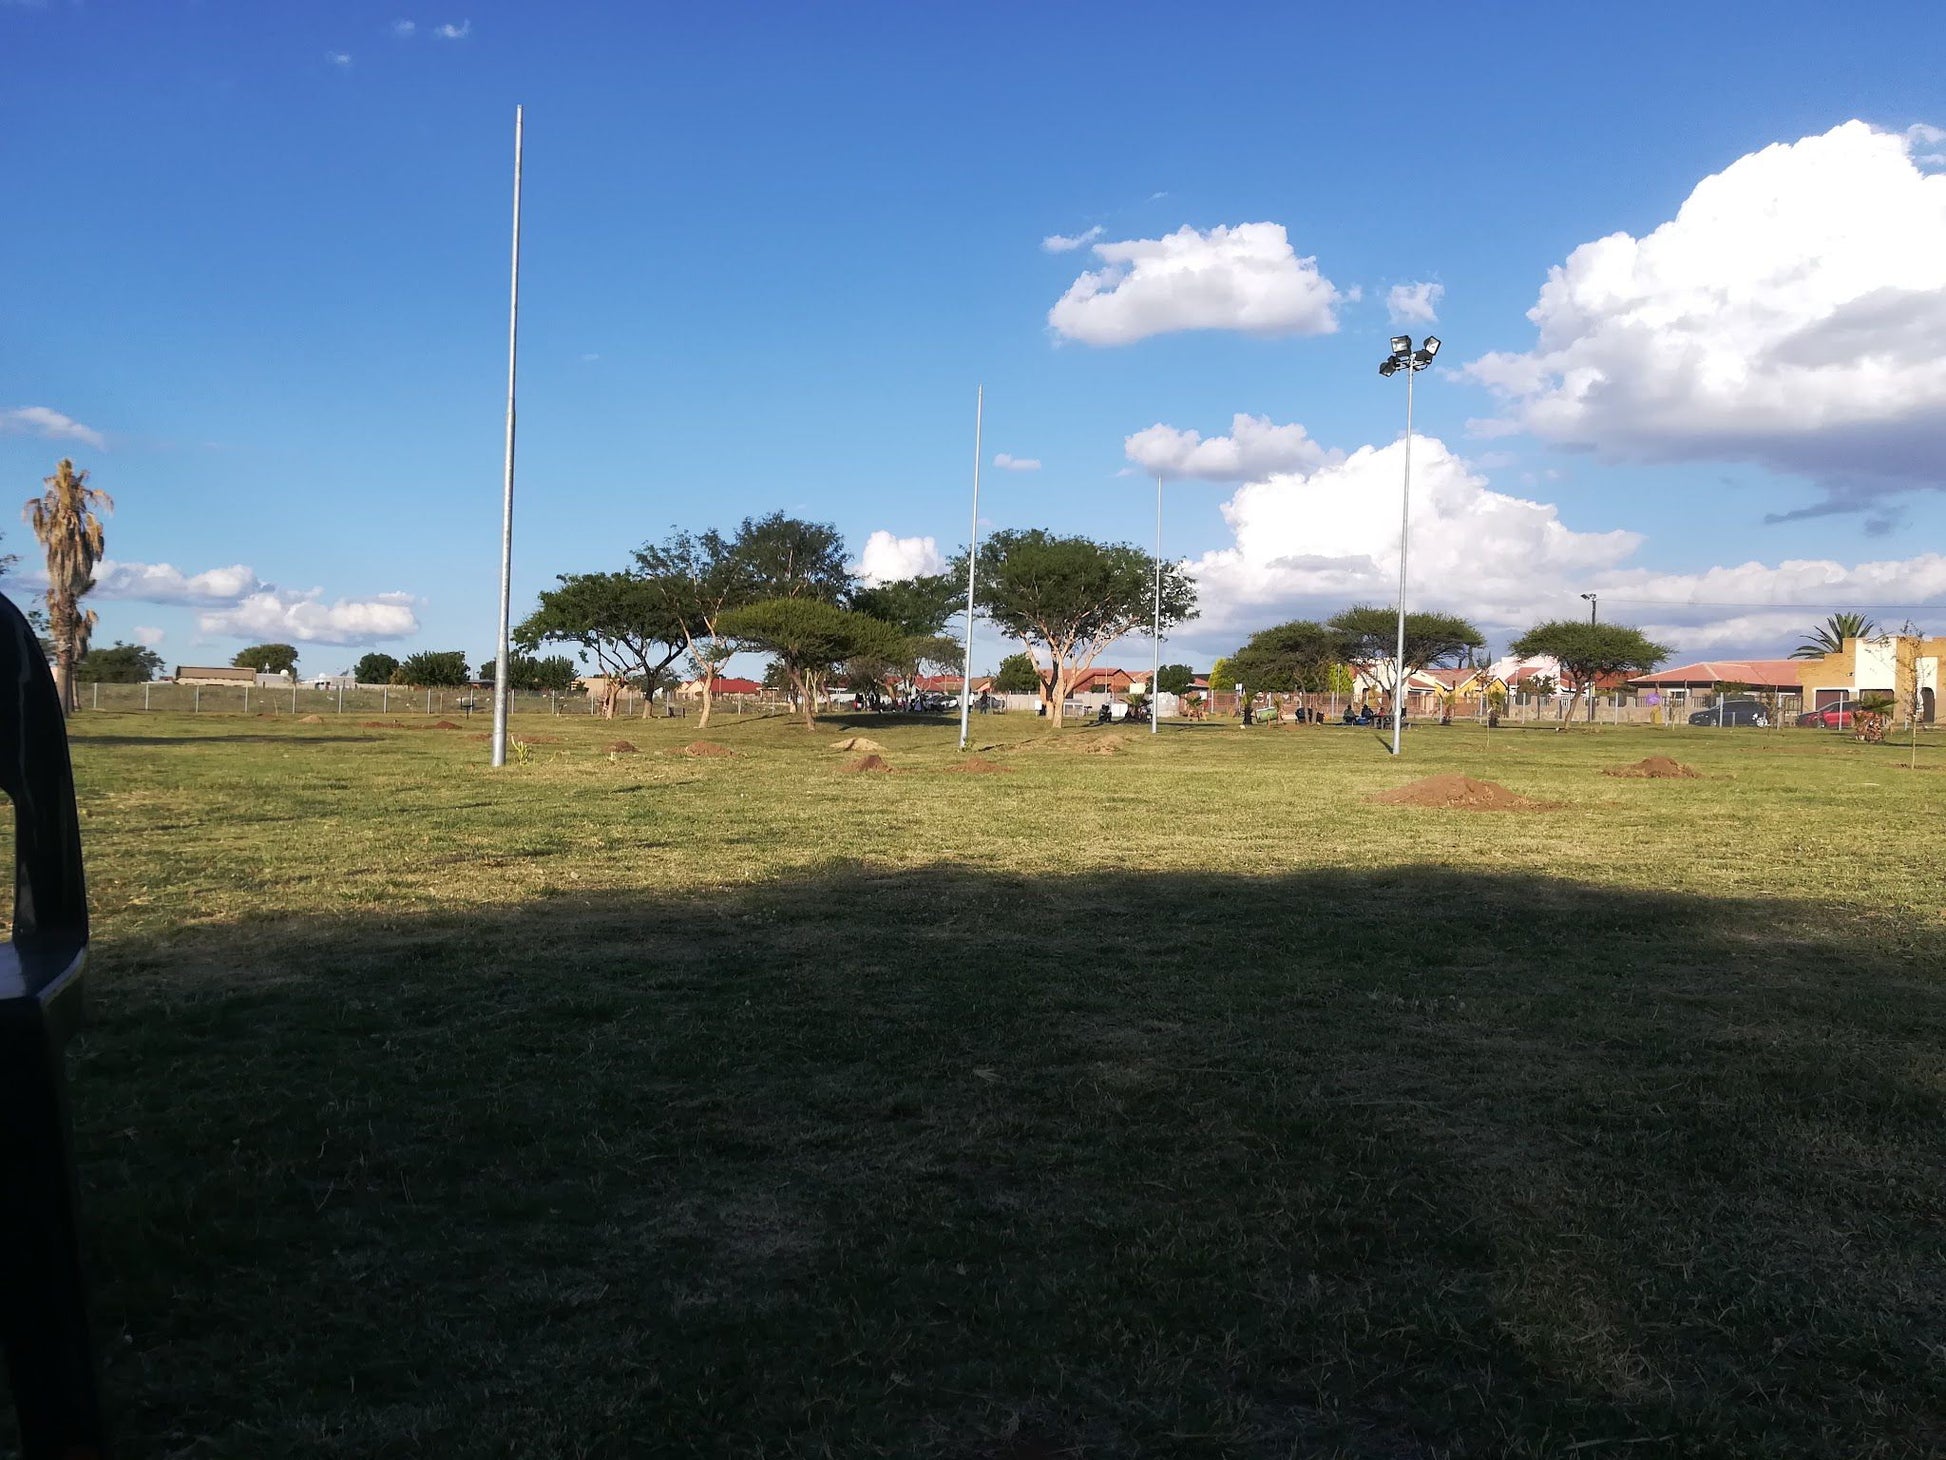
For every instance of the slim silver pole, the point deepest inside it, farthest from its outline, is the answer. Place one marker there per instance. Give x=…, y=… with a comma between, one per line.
x=507, y=494
x=972, y=557
x=1155, y=649
x=1405, y=525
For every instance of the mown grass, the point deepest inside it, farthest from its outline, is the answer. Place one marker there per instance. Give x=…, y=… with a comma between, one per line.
x=1174, y=1101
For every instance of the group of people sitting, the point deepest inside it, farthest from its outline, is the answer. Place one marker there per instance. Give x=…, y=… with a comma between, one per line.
x=1368, y=716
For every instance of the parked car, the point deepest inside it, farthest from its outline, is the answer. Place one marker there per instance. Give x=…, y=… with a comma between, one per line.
x=1732, y=712
x=1831, y=717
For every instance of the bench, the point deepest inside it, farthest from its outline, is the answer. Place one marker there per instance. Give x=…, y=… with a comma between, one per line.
x=43, y=1302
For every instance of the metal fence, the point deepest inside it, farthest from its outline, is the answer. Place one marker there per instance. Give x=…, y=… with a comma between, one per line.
x=390, y=700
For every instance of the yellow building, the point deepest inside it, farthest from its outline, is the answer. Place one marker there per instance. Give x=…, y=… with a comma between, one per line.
x=1902, y=667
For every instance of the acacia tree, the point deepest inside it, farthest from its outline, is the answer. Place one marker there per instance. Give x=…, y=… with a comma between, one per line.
x=268, y=659
x=618, y=619
x=1292, y=658
x=918, y=608
x=1072, y=597
x=699, y=576
x=1586, y=652
x=787, y=557
x=808, y=639
x=1370, y=639
x=64, y=520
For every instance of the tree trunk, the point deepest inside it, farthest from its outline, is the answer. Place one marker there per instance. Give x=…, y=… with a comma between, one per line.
x=709, y=699
x=1059, y=702
x=64, y=683
x=611, y=692
x=802, y=683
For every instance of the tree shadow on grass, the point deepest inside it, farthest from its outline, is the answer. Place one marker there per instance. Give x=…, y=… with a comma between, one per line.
x=191, y=741
x=1406, y=1162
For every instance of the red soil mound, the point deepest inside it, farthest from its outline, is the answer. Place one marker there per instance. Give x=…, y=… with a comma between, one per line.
x=973, y=765
x=700, y=748
x=1452, y=792
x=868, y=763
x=312, y=720
x=442, y=725
x=1656, y=768
x=620, y=747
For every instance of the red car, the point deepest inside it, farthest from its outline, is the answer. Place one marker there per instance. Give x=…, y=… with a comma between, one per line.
x=1831, y=717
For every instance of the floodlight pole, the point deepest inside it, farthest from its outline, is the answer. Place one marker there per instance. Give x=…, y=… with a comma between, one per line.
x=1405, y=527
x=1155, y=648
x=507, y=494
x=972, y=557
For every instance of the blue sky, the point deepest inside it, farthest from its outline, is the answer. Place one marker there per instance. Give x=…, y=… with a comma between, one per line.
x=256, y=284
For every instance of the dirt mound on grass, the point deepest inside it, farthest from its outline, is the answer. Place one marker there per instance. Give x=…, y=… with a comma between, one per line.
x=1656, y=768
x=857, y=742
x=1453, y=792
x=620, y=747
x=702, y=749
x=381, y=724
x=312, y=720
x=444, y=725
x=975, y=765
x=867, y=763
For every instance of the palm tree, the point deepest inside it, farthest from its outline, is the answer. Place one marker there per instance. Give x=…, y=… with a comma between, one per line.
x=64, y=521
x=1829, y=637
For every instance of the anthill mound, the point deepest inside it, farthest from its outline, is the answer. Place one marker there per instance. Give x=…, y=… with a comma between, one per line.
x=312, y=720
x=975, y=765
x=1454, y=792
x=1655, y=768
x=444, y=725
x=701, y=749
x=858, y=743
x=867, y=763
x=620, y=747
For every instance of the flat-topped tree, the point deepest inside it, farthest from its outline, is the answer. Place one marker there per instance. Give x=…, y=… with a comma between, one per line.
x=919, y=609
x=787, y=557
x=1291, y=658
x=808, y=638
x=1586, y=652
x=1072, y=597
x=1432, y=640
x=700, y=576
x=267, y=659
x=618, y=619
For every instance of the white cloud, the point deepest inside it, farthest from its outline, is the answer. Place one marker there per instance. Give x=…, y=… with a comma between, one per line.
x=451, y=32
x=1920, y=137
x=305, y=619
x=1245, y=278
x=1017, y=463
x=1306, y=543
x=889, y=559
x=1789, y=315
x=1059, y=243
x=148, y=638
x=48, y=424
x=404, y=29
x=338, y=58
x=1414, y=303
x=235, y=600
x=1255, y=448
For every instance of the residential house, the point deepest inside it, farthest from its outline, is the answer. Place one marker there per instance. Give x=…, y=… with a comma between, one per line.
x=1708, y=676
x=1903, y=667
x=193, y=674
x=692, y=689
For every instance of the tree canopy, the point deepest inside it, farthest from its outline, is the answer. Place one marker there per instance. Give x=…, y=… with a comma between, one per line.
x=70, y=534
x=432, y=669
x=1587, y=652
x=1017, y=675
x=267, y=658
x=1073, y=597
x=1174, y=679
x=1370, y=637
x=119, y=664
x=1829, y=637
x=787, y=557
x=374, y=668
x=918, y=607
x=809, y=638
x=1288, y=658
x=529, y=675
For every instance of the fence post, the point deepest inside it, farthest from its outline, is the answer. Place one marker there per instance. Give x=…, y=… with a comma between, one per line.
x=145, y=694
x=196, y=698
x=428, y=702
x=293, y=697
x=97, y=704
x=384, y=697
x=341, y=697
x=246, y=699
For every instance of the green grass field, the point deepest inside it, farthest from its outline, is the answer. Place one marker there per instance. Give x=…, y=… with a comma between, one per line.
x=1171, y=1101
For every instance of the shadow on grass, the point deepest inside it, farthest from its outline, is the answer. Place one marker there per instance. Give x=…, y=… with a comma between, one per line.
x=295, y=737
x=945, y=1162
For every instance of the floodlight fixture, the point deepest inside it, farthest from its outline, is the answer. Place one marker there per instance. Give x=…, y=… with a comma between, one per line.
x=1402, y=344
x=1389, y=366
x=1421, y=359
x=1432, y=346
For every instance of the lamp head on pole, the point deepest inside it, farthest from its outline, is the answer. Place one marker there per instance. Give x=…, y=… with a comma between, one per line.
x=1404, y=357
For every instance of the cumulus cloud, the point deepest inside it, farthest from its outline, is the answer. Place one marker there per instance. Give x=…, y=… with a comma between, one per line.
x=1414, y=303
x=304, y=618
x=1068, y=243
x=1789, y=314
x=1245, y=278
x=451, y=32
x=1306, y=543
x=235, y=600
x=1255, y=448
x=889, y=559
x=404, y=29
x=1017, y=463
x=148, y=638
x=1925, y=141
x=49, y=424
